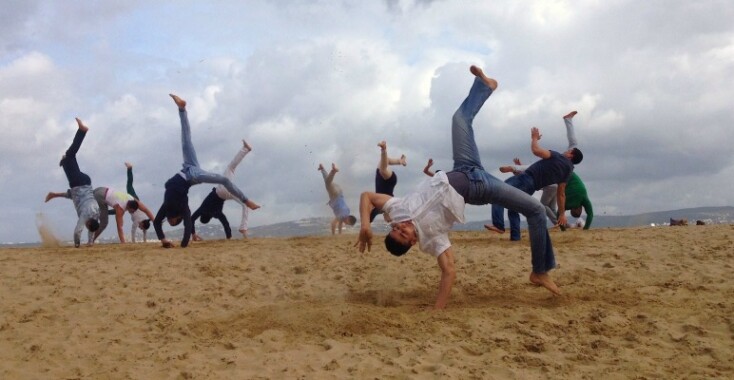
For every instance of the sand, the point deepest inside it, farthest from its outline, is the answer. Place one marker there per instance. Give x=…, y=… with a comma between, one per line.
x=638, y=303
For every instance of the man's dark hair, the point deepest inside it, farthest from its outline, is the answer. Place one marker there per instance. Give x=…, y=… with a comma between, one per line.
x=205, y=218
x=133, y=205
x=576, y=212
x=395, y=247
x=350, y=220
x=577, y=156
x=93, y=225
x=145, y=224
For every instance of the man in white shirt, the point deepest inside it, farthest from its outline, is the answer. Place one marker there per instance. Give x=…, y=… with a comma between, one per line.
x=426, y=216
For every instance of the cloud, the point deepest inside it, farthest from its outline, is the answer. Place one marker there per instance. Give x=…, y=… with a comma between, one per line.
x=322, y=82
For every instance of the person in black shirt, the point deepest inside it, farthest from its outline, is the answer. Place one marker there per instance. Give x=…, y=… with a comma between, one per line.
x=175, y=207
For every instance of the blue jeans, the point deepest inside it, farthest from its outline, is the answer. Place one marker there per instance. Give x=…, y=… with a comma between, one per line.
x=485, y=188
x=194, y=173
x=525, y=183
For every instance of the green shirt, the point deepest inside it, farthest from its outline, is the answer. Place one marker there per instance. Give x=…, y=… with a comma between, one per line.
x=576, y=196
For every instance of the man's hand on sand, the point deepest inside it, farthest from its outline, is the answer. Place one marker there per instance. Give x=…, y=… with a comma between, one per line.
x=167, y=243
x=365, y=240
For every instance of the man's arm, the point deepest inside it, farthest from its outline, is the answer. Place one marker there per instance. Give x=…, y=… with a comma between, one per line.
x=586, y=204
x=142, y=207
x=225, y=224
x=188, y=225
x=119, y=213
x=78, y=232
x=195, y=216
x=448, y=276
x=535, y=145
x=158, y=226
x=368, y=201
x=133, y=230
x=561, y=202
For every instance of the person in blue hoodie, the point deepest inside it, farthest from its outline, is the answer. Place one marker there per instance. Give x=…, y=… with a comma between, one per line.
x=175, y=208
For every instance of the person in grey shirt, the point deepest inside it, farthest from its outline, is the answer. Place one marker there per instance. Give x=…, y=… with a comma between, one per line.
x=80, y=189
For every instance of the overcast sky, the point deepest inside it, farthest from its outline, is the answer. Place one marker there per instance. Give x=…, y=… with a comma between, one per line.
x=324, y=81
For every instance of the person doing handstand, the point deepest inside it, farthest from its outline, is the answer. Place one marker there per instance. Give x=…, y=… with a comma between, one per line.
x=425, y=217
x=336, y=201
x=175, y=207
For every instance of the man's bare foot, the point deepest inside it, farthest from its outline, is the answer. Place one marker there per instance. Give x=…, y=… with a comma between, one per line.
x=128, y=165
x=491, y=83
x=382, y=144
x=544, y=280
x=81, y=125
x=246, y=145
x=179, y=102
x=252, y=205
x=196, y=237
x=321, y=167
x=49, y=197
x=516, y=161
x=570, y=115
x=506, y=169
x=494, y=229
x=403, y=160
x=334, y=168
x=244, y=233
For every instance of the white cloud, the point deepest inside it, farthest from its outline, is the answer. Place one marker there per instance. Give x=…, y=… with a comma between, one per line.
x=325, y=81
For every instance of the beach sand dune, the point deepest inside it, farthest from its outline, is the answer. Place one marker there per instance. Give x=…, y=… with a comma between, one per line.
x=638, y=303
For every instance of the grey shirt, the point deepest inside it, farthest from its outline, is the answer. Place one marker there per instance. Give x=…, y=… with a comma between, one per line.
x=86, y=208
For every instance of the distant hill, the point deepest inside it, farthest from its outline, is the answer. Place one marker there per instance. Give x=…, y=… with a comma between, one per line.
x=321, y=226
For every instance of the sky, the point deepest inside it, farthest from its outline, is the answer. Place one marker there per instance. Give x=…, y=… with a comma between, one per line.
x=309, y=82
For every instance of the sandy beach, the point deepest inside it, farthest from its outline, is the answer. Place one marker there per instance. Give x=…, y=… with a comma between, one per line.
x=637, y=303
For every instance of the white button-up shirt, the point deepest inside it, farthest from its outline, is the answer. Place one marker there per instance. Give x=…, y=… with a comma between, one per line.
x=433, y=208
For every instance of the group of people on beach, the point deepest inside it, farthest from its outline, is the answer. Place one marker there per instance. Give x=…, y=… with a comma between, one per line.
x=424, y=216
x=92, y=204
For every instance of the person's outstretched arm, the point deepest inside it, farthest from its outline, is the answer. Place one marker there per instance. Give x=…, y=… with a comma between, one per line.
x=368, y=201
x=158, y=226
x=225, y=224
x=586, y=204
x=535, y=145
x=195, y=216
x=561, y=202
x=188, y=225
x=448, y=276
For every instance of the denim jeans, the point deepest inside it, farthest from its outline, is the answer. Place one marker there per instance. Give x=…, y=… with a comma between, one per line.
x=486, y=188
x=194, y=173
x=523, y=182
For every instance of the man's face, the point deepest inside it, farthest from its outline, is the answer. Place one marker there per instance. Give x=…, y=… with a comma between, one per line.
x=404, y=233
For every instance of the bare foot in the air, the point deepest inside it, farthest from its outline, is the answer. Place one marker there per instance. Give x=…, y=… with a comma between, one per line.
x=427, y=170
x=321, y=167
x=544, y=280
x=494, y=229
x=128, y=165
x=506, y=169
x=334, y=168
x=491, y=83
x=179, y=102
x=382, y=144
x=246, y=145
x=81, y=125
x=570, y=115
x=403, y=160
x=49, y=197
x=252, y=205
